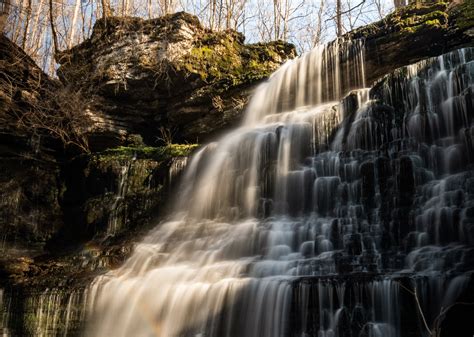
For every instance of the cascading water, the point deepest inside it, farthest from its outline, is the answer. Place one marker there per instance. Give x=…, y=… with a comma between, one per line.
x=113, y=221
x=313, y=216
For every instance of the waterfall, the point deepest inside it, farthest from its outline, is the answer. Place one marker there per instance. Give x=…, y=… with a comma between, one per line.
x=53, y=312
x=315, y=215
x=113, y=225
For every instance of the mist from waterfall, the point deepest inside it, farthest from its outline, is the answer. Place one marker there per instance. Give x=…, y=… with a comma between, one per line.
x=324, y=181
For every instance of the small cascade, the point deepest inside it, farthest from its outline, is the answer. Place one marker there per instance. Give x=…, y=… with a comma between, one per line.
x=314, y=78
x=5, y=314
x=177, y=166
x=57, y=312
x=114, y=220
x=316, y=217
x=343, y=307
x=53, y=312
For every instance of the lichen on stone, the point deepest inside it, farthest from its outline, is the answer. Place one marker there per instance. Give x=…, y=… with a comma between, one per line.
x=160, y=153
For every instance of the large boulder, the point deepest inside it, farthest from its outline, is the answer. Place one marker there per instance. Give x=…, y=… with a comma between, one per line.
x=169, y=73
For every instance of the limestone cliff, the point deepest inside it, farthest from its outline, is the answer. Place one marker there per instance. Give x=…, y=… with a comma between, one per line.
x=414, y=32
x=168, y=72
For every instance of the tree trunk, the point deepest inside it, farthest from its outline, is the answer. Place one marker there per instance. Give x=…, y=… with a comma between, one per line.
x=16, y=30
x=34, y=40
x=26, y=25
x=4, y=11
x=53, y=29
x=276, y=19
x=338, y=18
x=73, y=24
x=149, y=9
x=105, y=9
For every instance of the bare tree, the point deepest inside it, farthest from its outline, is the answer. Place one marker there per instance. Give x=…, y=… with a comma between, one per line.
x=149, y=8
x=167, y=6
x=26, y=24
x=106, y=10
x=380, y=6
x=353, y=16
x=53, y=28
x=399, y=3
x=4, y=11
x=70, y=41
x=338, y=18
x=317, y=35
x=36, y=27
x=17, y=22
x=234, y=12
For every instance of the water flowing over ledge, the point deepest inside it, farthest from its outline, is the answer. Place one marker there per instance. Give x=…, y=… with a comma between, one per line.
x=310, y=189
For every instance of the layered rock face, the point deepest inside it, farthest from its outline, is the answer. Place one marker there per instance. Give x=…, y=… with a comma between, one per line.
x=168, y=72
x=414, y=32
x=29, y=186
x=117, y=192
x=159, y=80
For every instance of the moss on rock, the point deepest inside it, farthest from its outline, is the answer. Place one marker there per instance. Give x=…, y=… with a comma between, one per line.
x=465, y=13
x=161, y=153
x=222, y=57
x=407, y=20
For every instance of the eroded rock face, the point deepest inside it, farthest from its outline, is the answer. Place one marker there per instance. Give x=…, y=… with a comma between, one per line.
x=117, y=193
x=29, y=172
x=414, y=32
x=168, y=72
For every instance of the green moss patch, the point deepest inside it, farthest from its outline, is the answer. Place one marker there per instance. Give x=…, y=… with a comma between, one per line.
x=160, y=153
x=409, y=19
x=465, y=12
x=222, y=57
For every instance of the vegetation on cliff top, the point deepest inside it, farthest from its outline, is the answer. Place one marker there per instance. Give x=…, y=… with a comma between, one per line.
x=465, y=14
x=223, y=57
x=160, y=153
x=409, y=19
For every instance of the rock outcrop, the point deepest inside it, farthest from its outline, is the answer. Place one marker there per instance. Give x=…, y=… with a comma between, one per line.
x=49, y=194
x=29, y=188
x=167, y=73
x=415, y=32
x=118, y=192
